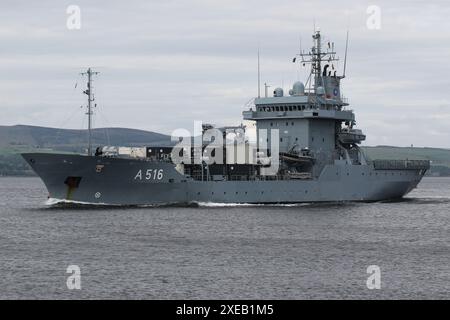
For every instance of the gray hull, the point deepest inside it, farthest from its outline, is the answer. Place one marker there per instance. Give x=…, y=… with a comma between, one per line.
x=118, y=181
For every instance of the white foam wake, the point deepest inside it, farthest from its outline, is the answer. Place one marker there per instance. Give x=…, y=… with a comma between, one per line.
x=220, y=204
x=54, y=201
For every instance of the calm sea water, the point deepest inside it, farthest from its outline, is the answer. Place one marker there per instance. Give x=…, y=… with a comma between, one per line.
x=219, y=252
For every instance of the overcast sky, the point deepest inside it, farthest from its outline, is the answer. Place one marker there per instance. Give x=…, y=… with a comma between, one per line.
x=164, y=64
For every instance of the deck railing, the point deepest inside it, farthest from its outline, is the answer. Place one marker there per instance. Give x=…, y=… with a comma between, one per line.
x=401, y=164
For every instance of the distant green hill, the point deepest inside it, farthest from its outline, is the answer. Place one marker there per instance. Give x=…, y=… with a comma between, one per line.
x=13, y=137
x=20, y=138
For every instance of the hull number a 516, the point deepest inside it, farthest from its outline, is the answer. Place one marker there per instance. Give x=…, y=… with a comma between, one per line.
x=149, y=174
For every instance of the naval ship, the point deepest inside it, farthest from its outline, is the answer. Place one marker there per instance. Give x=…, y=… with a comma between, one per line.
x=306, y=150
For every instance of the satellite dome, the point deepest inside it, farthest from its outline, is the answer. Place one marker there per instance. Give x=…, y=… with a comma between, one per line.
x=278, y=92
x=298, y=89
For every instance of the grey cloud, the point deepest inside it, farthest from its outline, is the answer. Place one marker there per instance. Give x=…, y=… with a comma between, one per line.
x=166, y=63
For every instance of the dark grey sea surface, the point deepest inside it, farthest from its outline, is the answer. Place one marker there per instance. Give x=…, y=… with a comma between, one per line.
x=213, y=251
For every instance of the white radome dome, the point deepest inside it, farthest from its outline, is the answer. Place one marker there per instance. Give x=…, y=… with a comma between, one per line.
x=297, y=89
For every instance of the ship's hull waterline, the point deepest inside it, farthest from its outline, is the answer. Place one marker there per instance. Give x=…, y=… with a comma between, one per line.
x=119, y=181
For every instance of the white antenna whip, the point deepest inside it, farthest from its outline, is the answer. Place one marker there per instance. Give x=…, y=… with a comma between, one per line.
x=259, y=77
x=345, y=59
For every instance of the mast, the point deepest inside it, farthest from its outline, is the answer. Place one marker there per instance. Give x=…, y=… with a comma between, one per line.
x=316, y=56
x=91, y=98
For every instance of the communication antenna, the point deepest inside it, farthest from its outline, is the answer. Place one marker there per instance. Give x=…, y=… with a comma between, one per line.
x=300, y=42
x=259, y=77
x=91, y=98
x=266, y=87
x=345, y=58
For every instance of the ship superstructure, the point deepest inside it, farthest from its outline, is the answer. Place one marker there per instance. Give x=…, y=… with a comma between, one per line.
x=306, y=150
x=312, y=122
